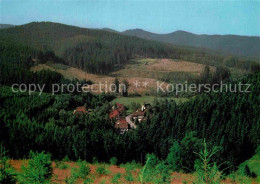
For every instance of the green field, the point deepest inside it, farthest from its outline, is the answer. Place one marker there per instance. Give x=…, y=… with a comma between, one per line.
x=145, y=99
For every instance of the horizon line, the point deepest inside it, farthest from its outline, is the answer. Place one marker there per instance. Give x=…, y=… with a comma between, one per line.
x=199, y=34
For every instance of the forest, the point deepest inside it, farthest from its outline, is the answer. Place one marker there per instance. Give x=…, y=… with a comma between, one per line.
x=227, y=120
x=101, y=52
x=171, y=133
x=16, y=61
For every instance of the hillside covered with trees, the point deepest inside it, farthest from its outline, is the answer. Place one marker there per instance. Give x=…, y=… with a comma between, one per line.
x=228, y=44
x=171, y=132
x=46, y=123
x=101, y=51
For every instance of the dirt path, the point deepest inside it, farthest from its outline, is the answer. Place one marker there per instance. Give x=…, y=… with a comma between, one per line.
x=128, y=120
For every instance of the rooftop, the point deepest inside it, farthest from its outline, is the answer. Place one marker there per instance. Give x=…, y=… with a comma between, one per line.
x=113, y=114
x=121, y=123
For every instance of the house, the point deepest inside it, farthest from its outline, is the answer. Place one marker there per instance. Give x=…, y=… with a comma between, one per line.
x=139, y=115
x=120, y=107
x=117, y=111
x=121, y=125
x=114, y=114
x=145, y=106
x=80, y=111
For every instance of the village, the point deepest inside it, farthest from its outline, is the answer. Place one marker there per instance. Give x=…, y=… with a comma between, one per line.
x=118, y=115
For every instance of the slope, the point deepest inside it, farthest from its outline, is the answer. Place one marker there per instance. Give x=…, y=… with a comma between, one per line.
x=227, y=44
x=97, y=51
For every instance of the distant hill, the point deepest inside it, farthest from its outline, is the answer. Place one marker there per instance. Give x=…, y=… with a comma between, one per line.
x=110, y=30
x=229, y=44
x=3, y=26
x=142, y=33
x=96, y=50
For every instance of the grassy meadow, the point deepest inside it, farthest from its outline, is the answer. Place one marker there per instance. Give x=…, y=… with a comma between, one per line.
x=127, y=101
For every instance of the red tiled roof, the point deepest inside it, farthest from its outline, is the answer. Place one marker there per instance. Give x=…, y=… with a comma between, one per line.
x=118, y=104
x=114, y=114
x=135, y=114
x=120, y=107
x=122, y=124
x=80, y=109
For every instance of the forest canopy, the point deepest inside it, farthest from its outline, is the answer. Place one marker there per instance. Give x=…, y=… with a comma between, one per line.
x=100, y=51
x=46, y=123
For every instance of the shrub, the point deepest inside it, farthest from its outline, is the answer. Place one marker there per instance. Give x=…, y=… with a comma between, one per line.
x=39, y=169
x=115, y=178
x=162, y=171
x=83, y=170
x=238, y=178
x=88, y=180
x=131, y=166
x=174, y=157
x=129, y=176
x=113, y=161
x=66, y=159
x=71, y=180
x=154, y=171
x=62, y=165
x=101, y=170
x=7, y=173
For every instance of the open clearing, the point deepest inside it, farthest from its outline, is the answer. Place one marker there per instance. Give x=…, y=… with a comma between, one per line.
x=143, y=72
x=162, y=65
x=161, y=69
x=59, y=175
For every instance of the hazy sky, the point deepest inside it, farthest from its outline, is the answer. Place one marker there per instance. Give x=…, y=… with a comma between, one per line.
x=207, y=16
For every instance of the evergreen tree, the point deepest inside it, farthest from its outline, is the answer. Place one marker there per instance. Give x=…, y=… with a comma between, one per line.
x=116, y=82
x=174, y=157
x=126, y=86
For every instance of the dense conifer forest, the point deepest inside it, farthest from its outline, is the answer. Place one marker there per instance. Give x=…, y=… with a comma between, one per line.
x=46, y=122
x=172, y=132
